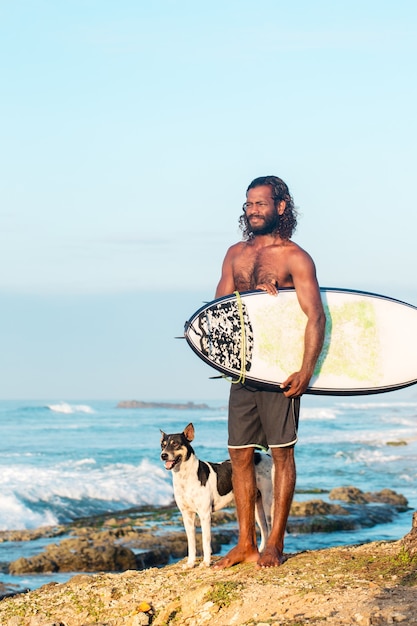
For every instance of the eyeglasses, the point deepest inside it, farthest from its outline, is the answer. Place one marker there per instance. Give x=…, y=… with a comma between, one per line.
x=250, y=205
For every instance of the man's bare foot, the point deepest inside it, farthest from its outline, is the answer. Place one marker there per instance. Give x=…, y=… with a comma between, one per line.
x=270, y=557
x=235, y=556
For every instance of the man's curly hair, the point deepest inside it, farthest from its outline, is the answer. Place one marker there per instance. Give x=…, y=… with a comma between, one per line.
x=287, y=221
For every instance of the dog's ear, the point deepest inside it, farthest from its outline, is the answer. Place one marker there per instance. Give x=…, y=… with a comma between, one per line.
x=163, y=435
x=189, y=432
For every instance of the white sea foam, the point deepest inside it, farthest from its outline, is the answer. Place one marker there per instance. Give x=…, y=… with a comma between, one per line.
x=393, y=418
x=64, y=407
x=376, y=405
x=82, y=462
x=319, y=413
x=16, y=515
x=408, y=478
x=34, y=496
x=217, y=418
x=367, y=457
x=371, y=437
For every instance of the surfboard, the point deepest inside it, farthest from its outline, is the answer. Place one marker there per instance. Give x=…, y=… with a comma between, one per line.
x=370, y=342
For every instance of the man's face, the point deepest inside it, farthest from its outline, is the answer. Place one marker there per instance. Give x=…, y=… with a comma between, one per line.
x=261, y=214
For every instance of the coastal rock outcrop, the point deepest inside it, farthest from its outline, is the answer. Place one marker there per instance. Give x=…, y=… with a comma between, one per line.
x=356, y=496
x=143, y=537
x=361, y=510
x=116, y=550
x=372, y=584
x=77, y=555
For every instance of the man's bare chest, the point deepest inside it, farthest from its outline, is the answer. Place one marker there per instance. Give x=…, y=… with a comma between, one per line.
x=264, y=266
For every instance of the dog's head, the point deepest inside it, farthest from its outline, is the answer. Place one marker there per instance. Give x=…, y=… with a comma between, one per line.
x=176, y=448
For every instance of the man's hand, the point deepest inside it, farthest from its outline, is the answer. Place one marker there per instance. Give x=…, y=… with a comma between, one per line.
x=295, y=385
x=271, y=288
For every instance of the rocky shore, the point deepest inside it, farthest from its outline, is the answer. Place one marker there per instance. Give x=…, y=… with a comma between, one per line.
x=152, y=537
x=369, y=584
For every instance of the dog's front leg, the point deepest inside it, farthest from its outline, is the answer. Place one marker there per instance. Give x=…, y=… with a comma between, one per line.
x=188, y=518
x=205, y=521
x=261, y=519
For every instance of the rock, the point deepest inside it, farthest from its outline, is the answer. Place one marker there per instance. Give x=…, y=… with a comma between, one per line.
x=348, y=494
x=320, y=524
x=356, y=496
x=372, y=514
x=318, y=516
x=32, y=534
x=9, y=590
x=116, y=549
x=316, y=507
x=387, y=496
x=410, y=540
x=398, y=442
x=74, y=555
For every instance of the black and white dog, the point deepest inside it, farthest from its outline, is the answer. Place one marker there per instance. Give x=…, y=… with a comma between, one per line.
x=202, y=487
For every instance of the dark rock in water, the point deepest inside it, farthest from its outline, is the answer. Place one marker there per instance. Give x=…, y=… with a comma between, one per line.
x=373, y=514
x=387, y=496
x=32, y=534
x=362, y=510
x=181, y=406
x=320, y=524
x=119, y=548
x=316, y=507
x=355, y=516
x=8, y=591
x=348, y=494
x=157, y=557
x=77, y=555
x=356, y=496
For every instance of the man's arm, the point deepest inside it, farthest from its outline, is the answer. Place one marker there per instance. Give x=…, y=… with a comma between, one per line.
x=308, y=294
x=227, y=282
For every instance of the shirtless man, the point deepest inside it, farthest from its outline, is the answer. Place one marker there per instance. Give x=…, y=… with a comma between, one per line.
x=267, y=259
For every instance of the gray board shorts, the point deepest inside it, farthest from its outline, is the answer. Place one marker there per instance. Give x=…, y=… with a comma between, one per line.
x=262, y=419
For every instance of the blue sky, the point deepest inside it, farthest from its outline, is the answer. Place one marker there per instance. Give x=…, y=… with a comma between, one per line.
x=130, y=131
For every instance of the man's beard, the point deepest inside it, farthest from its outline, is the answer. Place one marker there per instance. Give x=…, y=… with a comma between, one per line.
x=268, y=226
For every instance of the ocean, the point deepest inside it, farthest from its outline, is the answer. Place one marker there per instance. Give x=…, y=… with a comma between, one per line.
x=63, y=460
